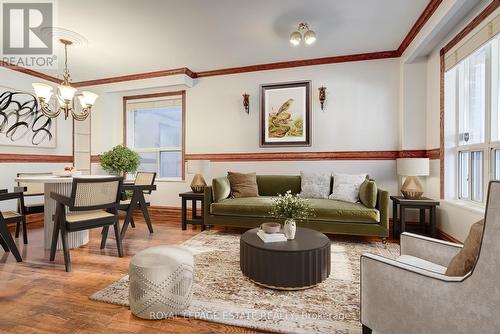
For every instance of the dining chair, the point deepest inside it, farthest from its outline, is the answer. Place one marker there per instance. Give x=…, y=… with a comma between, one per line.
x=93, y=203
x=11, y=217
x=141, y=179
x=30, y=190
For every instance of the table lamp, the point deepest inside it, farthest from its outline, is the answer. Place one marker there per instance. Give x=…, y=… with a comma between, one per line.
x=412, y=168
x=198, y=167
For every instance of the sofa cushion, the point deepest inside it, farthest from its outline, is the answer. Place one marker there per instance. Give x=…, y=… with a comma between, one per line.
x=243, y=185
x=221, y=189
x=368, y=193
x=324, y=209
x=272, y=185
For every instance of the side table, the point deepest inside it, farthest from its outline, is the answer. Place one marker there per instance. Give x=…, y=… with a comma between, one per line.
x=422, y=204
x=195, y=219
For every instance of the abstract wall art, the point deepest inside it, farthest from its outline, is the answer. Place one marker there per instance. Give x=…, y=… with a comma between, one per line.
x=22, y=123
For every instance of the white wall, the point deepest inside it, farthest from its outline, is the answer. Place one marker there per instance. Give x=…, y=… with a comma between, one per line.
x=22, y=82
x=453, y=218
x=361, y=113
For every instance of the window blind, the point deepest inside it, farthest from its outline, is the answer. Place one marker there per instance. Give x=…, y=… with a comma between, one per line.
x=154, y=104
x=477, y=38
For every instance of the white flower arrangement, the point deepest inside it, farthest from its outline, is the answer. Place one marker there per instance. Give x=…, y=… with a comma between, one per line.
x=290, y=206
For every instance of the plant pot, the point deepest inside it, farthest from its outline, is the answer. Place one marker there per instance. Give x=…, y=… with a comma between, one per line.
x=290, y=228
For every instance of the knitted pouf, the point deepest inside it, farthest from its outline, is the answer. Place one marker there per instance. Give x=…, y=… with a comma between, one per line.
x=160, y=281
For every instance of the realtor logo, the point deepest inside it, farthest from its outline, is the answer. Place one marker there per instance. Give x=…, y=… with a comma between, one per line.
x=26, y=28
x=28, y=34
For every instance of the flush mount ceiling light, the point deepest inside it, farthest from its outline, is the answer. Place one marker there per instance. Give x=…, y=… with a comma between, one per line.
x=65, y=95
x=303, y=32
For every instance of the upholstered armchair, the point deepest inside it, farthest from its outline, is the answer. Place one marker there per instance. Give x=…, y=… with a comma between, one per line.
x=413, y=295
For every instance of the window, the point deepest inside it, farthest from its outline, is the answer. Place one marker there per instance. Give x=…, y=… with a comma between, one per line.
x=472, y=95
x=154, y=129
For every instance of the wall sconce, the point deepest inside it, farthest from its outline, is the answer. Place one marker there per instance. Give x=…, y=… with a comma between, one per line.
x=322, y=96
x=246, y=102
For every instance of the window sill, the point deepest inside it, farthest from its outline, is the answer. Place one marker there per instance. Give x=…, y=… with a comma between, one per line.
x=473, y=207
x=169, y=180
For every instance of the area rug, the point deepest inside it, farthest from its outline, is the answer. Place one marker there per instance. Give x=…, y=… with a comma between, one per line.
x=222, y=294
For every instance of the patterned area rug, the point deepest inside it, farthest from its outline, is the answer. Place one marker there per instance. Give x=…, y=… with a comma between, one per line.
x=222, y=294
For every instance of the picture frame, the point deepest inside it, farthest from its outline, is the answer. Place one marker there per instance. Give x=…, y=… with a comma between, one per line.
x=285, y=114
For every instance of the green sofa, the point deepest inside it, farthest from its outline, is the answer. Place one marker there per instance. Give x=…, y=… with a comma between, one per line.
x=331, y=216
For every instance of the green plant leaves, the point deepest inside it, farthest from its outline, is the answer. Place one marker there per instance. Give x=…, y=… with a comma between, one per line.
x=120, y=159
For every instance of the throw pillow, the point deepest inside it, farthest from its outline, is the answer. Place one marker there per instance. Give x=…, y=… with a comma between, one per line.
x=346, y=187
x=368, y=193
x=464, y=261
x=315, y=185
x=221, y=189
x=243, y=185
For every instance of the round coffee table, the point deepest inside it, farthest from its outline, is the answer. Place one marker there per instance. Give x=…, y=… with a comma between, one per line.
x=289, y=265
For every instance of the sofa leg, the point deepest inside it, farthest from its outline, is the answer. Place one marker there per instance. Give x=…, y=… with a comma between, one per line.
x=384, y=241
x=367, y=330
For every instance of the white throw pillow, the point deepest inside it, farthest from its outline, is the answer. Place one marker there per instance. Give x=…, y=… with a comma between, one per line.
x=346, y=187
x=315, y=185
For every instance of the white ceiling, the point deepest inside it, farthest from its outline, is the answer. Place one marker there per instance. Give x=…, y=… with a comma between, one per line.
x=130, y=36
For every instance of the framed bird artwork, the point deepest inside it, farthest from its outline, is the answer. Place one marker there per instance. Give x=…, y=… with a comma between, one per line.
x=285, y=114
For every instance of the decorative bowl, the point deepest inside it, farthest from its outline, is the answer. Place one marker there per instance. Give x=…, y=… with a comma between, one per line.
x=270, y=228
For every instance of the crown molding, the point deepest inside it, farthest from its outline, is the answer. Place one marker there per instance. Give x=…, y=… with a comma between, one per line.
x=421, y=21
x=299, y=63
x=138, y=76
x=30, y=72
x=472, y=24
x=429, y=10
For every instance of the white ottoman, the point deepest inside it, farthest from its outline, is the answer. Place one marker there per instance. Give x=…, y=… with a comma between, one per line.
x=160, y=281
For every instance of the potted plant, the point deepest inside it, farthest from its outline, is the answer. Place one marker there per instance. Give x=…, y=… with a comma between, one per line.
x=290, y=207
x=119, y=160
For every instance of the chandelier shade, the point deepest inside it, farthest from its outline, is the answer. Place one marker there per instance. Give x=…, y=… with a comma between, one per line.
x=43, y=91
x=65, y=95
x=66, y=92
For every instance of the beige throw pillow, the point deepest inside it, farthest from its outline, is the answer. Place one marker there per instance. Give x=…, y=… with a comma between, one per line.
x=243, y=185
x=464, y=261
x=346, y=187
x=315, y=185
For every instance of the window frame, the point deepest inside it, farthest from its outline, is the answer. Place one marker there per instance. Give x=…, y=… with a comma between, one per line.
x=182, y=95
x=488, y=146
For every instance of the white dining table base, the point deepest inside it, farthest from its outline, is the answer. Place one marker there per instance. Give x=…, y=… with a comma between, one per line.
x=75, y=239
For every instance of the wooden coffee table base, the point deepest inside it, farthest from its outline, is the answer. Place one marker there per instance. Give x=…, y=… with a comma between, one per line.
x=282, y=287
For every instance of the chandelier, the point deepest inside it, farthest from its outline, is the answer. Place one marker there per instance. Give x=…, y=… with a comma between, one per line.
x=65, y=95
x=302, y=30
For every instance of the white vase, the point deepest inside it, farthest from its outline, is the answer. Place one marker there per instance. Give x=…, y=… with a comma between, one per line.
x=290, y=228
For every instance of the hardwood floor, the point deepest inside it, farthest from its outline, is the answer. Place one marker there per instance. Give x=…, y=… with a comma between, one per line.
x=37, y=296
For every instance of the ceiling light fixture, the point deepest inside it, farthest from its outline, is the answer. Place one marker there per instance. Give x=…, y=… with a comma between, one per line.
x=65, y=94
x=303, y=31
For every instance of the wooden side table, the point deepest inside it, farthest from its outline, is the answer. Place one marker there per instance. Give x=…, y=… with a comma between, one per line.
x=422, y=204
x=195, y=219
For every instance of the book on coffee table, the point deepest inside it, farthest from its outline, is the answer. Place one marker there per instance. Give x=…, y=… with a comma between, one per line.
x=273, y=237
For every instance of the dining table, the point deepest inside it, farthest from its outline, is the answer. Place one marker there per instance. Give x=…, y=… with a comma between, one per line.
x=61, y=185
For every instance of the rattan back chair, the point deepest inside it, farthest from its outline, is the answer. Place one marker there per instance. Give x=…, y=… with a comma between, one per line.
x=30, y=190
x=93, y=203
x=11, y=217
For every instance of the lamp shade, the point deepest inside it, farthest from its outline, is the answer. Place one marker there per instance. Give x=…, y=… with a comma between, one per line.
x=413, y=166
x=43, y=91
x=198, y=166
